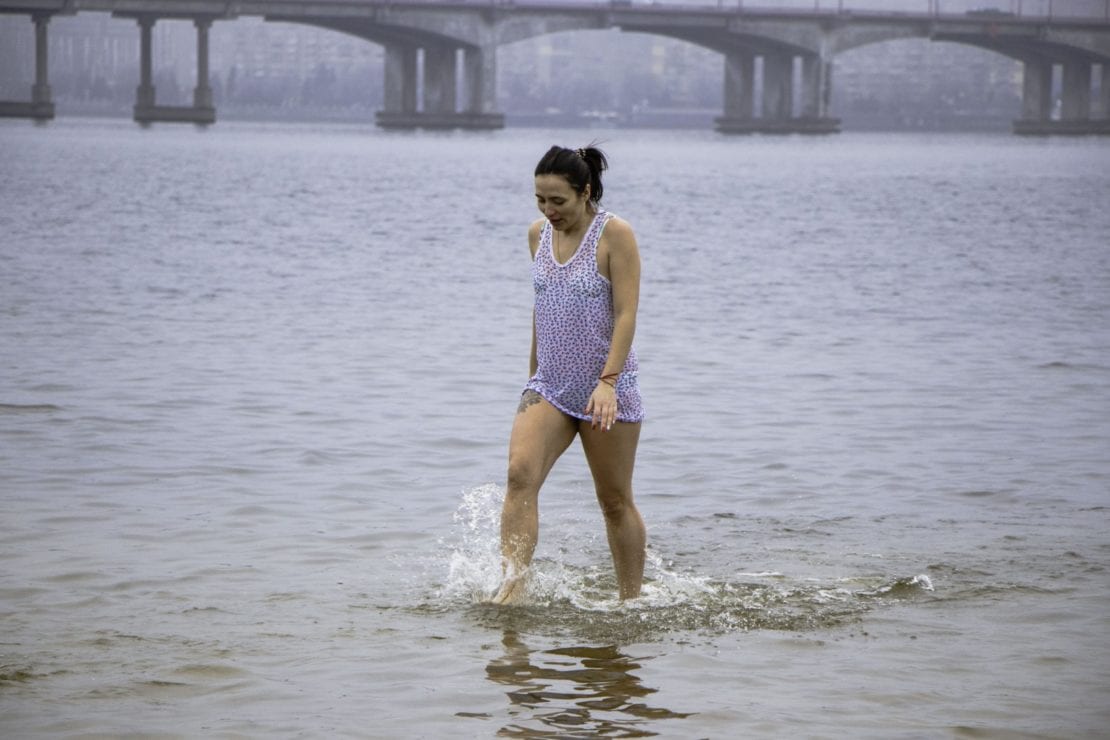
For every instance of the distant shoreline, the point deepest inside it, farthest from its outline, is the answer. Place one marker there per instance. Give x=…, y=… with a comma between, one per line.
x=696, y=119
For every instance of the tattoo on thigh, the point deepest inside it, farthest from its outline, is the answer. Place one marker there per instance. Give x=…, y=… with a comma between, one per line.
x=529, y=398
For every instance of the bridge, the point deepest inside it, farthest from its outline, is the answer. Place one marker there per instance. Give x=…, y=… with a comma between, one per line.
x=784, y=47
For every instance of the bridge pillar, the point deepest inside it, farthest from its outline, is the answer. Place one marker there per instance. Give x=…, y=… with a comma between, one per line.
x=739, y=92
x=41, y=107
x=440, y=88
x=816, y=93
x=144, y=94
x=778, y=95
x=1075, y=109
x=778, y=87
x=147, y=110
x=400, y=79
x=1076, y=102
x=1036, y=91
x=441, y=94
x=816, y=73
x=1104, y=92
x=480, y=67
x=202, y=94
x=400, y=72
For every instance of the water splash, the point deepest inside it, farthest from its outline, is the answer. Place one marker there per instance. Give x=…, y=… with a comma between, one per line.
x=903, y=587
x=474, y=567
x=575, y=590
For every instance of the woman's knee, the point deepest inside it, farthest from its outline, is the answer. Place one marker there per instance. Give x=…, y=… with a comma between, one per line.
x=523, y=476
x=615, y=503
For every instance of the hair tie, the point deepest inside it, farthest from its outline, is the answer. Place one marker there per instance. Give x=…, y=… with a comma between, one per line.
x=581, y=153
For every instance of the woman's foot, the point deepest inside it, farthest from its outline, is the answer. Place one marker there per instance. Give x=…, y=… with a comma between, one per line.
x=511, y=592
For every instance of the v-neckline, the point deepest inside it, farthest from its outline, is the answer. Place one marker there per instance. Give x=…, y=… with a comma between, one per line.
x=577, y=249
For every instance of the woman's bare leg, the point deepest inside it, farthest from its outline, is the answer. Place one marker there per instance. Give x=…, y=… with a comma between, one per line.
x=541, y=433
x=612, y=455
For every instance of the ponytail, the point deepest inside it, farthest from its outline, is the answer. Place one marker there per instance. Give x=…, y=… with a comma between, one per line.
x=580, y=167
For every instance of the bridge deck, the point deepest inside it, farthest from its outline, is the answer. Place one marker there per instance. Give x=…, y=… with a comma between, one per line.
x=1058, y=14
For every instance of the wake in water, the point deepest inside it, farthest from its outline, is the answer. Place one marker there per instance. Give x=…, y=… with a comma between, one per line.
x=575, y=590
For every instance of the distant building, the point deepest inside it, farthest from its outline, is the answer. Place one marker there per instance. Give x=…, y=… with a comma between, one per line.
x=92, y=55
x=916, y=83
x=283, y=49
x=606, y=71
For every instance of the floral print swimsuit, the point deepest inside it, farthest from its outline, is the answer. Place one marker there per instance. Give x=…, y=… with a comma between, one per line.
x=574, y=328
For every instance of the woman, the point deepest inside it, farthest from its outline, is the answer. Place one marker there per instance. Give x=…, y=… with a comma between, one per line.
x=586, y=274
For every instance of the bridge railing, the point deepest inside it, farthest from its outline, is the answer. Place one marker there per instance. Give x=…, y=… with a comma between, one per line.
x=1078, y=10
x=1001, y=9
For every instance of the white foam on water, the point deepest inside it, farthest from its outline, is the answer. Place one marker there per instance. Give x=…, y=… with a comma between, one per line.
x=474, y=567
x=922, y=581
x=906, y=585
x=474, y=563
x=575, y=585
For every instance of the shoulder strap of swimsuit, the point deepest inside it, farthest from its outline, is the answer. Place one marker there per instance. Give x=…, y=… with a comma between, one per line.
x=594, y=234
x=544, y=247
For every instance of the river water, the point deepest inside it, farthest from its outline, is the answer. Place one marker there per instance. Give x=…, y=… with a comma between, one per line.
x=256, y=384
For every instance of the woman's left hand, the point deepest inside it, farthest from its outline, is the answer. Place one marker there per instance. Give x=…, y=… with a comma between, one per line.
x=602, y=408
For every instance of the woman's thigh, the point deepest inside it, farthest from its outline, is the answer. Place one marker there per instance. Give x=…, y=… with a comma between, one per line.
x=541, y=433
x=612, y=456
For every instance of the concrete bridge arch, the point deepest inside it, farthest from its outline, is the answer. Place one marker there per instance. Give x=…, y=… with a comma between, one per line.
x=1040, y=50
x=413, y=42
x=748, y=48
x=414, y=38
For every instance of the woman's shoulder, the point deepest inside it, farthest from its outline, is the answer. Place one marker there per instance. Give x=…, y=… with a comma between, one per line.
x=618, y=232
x=617, y=224
x=534, y=232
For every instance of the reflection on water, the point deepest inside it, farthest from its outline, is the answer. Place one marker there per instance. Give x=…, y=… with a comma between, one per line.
x=587, y=691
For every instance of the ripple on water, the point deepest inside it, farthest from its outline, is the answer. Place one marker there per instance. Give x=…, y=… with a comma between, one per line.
x=17, y=674
x=28, y=408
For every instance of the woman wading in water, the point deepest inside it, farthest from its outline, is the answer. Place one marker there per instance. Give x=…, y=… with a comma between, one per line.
x=586, y=274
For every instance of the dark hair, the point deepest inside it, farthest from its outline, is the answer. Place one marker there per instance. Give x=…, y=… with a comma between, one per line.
x=580, y=167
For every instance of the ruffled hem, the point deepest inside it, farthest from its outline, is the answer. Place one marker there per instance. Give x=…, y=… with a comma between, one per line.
x=546, y=394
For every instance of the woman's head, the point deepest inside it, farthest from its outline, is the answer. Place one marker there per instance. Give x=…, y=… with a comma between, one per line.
x=581, y=168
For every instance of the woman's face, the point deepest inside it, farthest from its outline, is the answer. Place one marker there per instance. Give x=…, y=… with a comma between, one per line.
x=558, y=202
